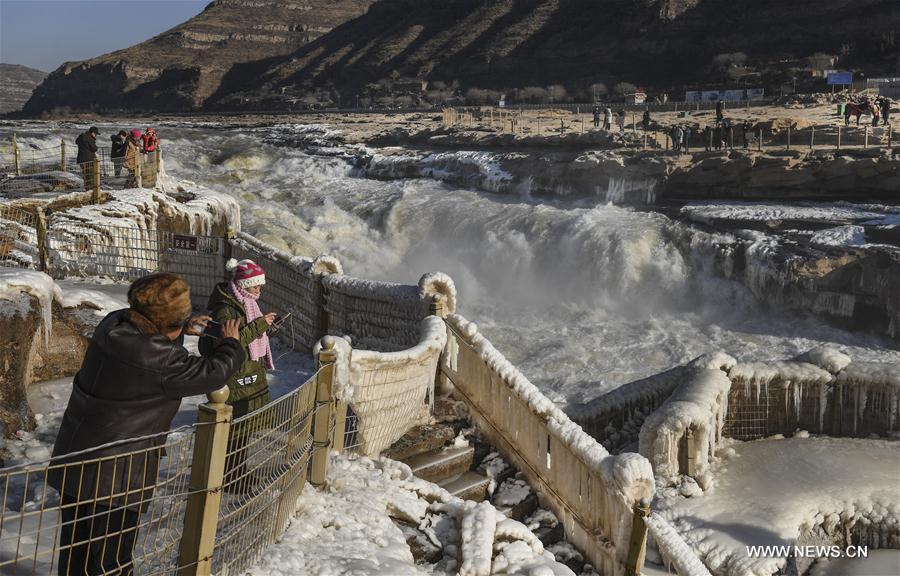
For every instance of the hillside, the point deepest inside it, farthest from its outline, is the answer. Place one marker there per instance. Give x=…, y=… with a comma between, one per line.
x=180, y=68
x=16, y=84
x=506, y=44
x=277, y=54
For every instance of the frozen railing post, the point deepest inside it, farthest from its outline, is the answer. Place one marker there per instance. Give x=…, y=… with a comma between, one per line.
x=322, y=421
x=138, y=162
x=95, y=197
x=207, y=472
x=16, y=160
x=41, y=231
x=438, y=307
x=62, y=155
x=637, y=544
x=687, y=453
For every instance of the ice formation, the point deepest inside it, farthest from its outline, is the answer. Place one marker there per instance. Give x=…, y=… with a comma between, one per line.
x=16, y=288
x=699, y=404
x=348, y=529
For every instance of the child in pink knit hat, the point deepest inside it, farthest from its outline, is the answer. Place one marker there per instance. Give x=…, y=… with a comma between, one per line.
x=238, y=299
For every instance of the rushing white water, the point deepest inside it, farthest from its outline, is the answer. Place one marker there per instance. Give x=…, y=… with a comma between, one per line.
x=582, y=298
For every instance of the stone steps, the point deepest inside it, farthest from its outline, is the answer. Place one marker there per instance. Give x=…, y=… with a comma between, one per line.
x=441, y=465
x=468, y=486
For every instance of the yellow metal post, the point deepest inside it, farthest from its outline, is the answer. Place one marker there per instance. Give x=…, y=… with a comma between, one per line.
x=322, y=420
x=62, y=155
x=138, y=163
x=16, y=159
x=41, y=229
x=95, y=198
x=637, y=545
x=207, y=473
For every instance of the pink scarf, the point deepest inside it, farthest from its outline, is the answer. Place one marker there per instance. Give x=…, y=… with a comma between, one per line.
x=259, y=348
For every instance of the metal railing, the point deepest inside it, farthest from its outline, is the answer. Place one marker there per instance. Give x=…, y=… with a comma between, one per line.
x=26, y=172
x=206, y=498
x=569, y=123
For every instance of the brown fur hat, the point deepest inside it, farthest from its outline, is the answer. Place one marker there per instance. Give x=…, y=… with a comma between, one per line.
x=163, y=299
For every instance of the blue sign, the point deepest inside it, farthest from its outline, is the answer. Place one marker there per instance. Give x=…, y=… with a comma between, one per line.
x=840, y=78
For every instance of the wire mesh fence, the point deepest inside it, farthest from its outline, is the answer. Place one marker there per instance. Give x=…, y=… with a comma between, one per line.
x=267, y=460
x=97, y=513
x=18, y=237
x=26, y=172
x=108, y=510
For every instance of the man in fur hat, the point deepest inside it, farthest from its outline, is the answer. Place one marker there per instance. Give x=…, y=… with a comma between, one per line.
x=130, y=385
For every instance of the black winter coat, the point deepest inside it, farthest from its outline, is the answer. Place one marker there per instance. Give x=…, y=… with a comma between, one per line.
x=130, y=384
x=87, y=147
x=118, y=146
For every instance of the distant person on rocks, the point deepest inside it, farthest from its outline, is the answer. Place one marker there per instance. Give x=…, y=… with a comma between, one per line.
x=717, y=136
x=720, y=111
x=607, y=118
x=596, y=116
x=87, y=152
x=117, y=150
x=132, y=157
x=688, y=132
x=620, y=120
x=885, y=111
x=646, y=119
x=745, y=133
x=677, y=135
x=238, y=300
x=130, y=385
x=705, y=135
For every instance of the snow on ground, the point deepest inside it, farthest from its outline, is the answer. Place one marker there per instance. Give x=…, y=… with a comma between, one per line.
x=765, y=491
x=348, y=529
x=878, y=563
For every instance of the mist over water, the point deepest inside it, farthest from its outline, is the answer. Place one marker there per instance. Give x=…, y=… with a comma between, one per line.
x=582, y=298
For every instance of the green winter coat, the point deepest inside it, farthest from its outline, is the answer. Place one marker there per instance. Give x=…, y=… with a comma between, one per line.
x=249, y=389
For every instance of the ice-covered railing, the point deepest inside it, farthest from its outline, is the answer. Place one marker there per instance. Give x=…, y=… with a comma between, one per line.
x=676, y=554
x=388, y=392
x=682, y=435
x=592, y=492
x=382, y=315
x=388, y=377
x=821, y=391
x=615, y=419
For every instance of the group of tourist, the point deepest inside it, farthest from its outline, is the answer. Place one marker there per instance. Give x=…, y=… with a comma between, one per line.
x=134, y=375
x=124, y=152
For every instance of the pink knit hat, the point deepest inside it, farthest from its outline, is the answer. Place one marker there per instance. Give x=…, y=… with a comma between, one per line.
x=246, y=273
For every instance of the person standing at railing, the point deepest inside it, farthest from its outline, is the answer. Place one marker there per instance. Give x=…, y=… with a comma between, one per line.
x=117, y=150
x=130, y=160
x=130, y=385
x=87, y=152
x=237, y=300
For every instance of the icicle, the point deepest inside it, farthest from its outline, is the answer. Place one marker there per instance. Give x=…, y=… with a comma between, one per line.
x=823, y=403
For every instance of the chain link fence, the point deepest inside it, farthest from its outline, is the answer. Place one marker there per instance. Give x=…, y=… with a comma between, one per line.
x=28, y=172
x=63, y=511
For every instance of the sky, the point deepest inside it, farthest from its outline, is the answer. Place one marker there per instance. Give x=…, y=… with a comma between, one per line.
x=43, y=34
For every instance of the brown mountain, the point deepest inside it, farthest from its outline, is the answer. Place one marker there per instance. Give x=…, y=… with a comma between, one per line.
x=16, y=84
x=506, y=44
x=270, y=54
x=180, y=68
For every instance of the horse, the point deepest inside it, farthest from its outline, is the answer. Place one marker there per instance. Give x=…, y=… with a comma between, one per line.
x=867, y=107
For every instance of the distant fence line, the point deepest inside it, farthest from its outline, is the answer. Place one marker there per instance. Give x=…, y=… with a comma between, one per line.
x=26, y=171
x=548, y=122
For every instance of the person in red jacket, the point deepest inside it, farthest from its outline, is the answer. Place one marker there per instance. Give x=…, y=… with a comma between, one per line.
x=150, y=141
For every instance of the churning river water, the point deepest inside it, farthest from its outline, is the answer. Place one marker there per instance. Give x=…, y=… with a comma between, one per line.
x=581, y=297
